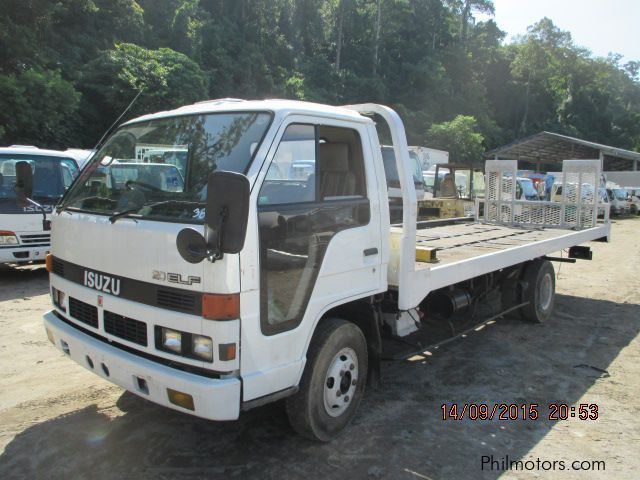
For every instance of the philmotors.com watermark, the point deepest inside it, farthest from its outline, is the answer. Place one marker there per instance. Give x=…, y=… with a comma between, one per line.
x=503, y=464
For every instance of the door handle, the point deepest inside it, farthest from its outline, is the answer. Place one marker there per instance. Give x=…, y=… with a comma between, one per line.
x=370, y=251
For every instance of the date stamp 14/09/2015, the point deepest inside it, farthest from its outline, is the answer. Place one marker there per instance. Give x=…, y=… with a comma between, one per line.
x=519, y=411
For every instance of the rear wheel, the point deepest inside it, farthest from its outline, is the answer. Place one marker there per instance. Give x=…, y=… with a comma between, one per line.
x=333, y=381
x=541, y=291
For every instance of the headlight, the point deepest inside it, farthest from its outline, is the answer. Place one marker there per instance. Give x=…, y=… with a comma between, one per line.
x=202, y=347
x=58, y=298
x=189, y=345
x=172, y=340
x=8, y=238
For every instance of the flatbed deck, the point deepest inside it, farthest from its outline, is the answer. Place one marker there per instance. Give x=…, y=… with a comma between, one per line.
x=455, y=243
x=469, y=250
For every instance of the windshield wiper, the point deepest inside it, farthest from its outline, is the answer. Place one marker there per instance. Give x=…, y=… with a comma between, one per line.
x=63, y=207
x=113, y=218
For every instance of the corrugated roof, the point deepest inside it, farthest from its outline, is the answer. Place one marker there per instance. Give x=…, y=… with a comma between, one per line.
x=549, y=147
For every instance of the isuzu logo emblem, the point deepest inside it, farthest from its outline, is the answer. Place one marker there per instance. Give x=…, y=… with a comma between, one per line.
x=102, y=283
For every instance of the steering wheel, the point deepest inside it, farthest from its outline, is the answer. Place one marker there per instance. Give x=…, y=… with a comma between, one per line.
x=128, y=185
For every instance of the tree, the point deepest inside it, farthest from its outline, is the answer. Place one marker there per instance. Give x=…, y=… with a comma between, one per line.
x=36, y=108
x=428, y=59
x=468, y=7
x=169, y=79
x=459, y=137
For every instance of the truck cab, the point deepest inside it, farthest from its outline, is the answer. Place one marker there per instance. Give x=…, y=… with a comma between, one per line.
x=311, y=244
x=23, y=237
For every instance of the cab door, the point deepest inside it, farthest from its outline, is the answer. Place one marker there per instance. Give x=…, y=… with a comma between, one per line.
x=318, y=234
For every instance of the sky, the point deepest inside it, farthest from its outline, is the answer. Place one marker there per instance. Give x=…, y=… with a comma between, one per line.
x=602, y=26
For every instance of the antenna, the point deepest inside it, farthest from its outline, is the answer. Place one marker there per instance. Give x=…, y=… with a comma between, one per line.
x=118, y=119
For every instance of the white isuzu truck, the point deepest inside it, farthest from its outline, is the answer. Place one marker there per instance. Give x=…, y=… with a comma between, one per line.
x=24, y=227
x=251, y=284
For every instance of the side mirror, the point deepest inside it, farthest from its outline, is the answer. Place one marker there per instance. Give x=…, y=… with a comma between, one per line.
x=24, y=191
x=225, y=219
x=24, y=183
x=227, y=211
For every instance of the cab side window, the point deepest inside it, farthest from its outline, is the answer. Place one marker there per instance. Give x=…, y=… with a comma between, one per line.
x=291, y=176
x=341, y=164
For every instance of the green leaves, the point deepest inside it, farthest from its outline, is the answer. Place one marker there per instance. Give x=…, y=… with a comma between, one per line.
x=459, y=137
x=69, y=68
x=169, y=79
x=35, y=107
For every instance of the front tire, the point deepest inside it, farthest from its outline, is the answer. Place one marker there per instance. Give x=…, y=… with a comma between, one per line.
x=541, y=291
x=333, y=381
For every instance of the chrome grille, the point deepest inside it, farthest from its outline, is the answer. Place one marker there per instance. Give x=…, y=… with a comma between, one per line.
x=36, y=240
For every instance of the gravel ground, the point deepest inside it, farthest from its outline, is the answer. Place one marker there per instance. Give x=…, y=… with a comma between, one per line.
x=59, y=421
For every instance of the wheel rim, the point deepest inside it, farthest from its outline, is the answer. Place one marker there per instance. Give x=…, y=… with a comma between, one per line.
x=546, y=292
x=340, y=382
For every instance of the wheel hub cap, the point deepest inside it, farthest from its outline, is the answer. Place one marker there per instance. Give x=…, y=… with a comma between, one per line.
x=340, y=382
x=545, y=292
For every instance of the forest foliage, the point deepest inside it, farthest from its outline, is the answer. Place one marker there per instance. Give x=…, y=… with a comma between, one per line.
x=68, y=68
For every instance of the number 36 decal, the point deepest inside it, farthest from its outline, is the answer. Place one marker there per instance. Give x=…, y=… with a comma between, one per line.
x=199, y=213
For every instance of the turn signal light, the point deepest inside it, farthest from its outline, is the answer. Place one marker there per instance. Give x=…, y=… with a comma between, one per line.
x=227, y=351
x=181, y=399
x=221, y=307
x=48, y=262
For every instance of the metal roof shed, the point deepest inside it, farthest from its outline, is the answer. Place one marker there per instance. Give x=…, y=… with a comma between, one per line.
x=546, y=150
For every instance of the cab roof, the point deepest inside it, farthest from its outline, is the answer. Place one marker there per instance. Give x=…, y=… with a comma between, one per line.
x=31, y=150
x=278, y=107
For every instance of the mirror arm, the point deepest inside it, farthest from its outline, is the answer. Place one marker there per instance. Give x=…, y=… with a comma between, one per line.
x=46, y=224
x=215, y=251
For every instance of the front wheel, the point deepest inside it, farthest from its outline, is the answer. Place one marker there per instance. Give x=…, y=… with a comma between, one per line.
x=333, y=381
x=541, y=291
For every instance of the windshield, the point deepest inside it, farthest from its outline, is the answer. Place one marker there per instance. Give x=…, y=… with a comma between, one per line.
x=51, y=177
x=166, y=161
x=620, y=193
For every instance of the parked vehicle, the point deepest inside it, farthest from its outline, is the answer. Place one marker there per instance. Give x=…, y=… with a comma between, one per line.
x=603, y=202
x=80, y=155
x=618, y=201
x=393, y=177
x=633, y=195
x=429, y=157
x=634, y=191
x=393, y=180
x=526, y=189
x=277, y=288
x=453, y=193
x=542, y=182
x=24, y=226
x=169, y=154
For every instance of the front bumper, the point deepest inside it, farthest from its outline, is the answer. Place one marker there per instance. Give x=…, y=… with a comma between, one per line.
x=213, y=399
x=23, y=253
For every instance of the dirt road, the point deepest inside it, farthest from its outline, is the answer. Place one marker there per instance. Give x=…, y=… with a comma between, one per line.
x=59, y=421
